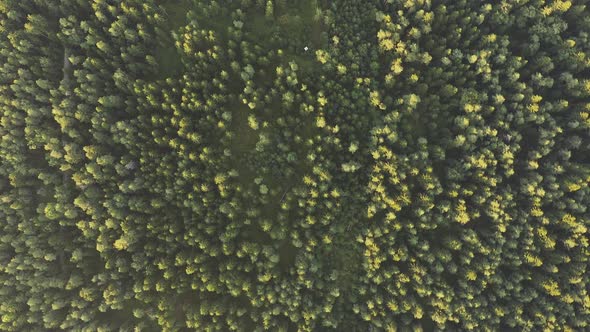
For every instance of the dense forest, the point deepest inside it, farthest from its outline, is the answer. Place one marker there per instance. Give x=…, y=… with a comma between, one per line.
x=310, y=165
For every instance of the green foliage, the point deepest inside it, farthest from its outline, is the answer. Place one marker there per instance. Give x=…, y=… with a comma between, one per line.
x=294, y=166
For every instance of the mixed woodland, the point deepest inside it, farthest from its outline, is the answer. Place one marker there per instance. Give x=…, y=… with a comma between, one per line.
x=311, y=165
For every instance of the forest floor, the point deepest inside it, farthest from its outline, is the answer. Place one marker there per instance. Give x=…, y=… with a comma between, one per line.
x=299, y=23
x=167, y=57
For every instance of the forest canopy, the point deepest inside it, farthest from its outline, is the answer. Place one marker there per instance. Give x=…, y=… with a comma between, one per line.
x=311, y=165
